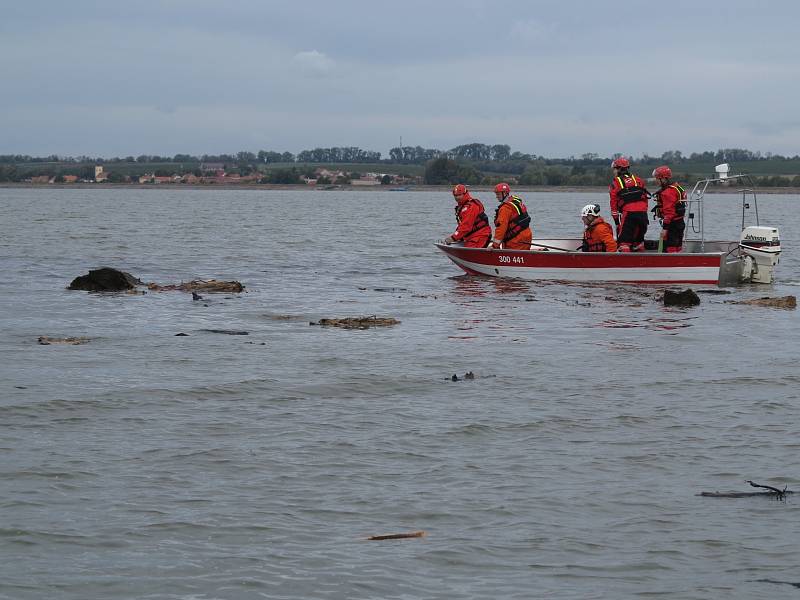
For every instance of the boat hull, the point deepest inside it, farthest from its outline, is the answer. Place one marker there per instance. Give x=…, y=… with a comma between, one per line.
x=558, y=264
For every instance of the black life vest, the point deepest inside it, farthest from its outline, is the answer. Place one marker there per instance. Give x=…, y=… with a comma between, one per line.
x=680, y=205
x=481, y=220
x=519, y=223
x=631, y=192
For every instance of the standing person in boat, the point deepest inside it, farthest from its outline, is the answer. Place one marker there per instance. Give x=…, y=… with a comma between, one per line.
x=473, y=225
x=512, y=223
x=597, y=234
x=628, y=206
x=670, y=208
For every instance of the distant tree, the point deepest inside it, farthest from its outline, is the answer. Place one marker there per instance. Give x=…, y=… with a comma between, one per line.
x=500, y=152
x=115, y=177
x=446, y=171
x=386, y=180
x=283, y=176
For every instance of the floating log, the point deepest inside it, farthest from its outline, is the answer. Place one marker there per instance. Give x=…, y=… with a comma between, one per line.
x=73, y=341
x=788, y=302
x=357, y=322
x=397, y=536
x=199, y=285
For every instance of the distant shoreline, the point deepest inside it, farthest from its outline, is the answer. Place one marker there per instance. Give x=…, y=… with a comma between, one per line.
x=350, y=188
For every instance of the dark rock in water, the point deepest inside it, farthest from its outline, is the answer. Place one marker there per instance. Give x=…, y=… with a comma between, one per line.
x=454, y=377
x=105, y=279
x=684, y=298
x=717, y=292
x=181, y=335
x=196, y=296
x=469, y=375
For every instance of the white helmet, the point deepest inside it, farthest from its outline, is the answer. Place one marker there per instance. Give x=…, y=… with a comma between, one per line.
x=590, y=210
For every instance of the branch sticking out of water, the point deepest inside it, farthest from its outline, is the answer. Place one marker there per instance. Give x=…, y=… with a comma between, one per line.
x=777, y=493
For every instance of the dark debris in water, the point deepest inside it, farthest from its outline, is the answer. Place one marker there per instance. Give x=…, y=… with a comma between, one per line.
x=227, y=331
x=466, y=376
x=791, y=583
x=717, y=292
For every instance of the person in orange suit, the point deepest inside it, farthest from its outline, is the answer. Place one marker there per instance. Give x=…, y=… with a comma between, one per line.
x=597, y=234
x=670, y=208
x=473, y=225
x=511, y=221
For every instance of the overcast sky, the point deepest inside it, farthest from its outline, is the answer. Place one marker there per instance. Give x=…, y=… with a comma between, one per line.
x=554, y=78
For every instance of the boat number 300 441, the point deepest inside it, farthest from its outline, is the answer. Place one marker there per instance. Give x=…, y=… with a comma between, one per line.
x=512, y=259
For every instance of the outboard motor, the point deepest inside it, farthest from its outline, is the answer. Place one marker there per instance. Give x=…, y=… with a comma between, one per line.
x=761, y=250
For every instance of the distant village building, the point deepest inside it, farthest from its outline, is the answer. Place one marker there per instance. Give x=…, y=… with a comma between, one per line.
x=70, y=179
x=99, y=174
x=213, y=167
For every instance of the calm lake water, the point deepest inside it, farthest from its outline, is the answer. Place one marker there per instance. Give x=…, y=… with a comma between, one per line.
x=213, y=466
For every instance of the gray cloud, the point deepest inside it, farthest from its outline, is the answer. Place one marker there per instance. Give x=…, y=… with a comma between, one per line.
x=553, y=79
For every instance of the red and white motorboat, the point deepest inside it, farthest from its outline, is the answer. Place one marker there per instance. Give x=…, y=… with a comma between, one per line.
x=750, y=259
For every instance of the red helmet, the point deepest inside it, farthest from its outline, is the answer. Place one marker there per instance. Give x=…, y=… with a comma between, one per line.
x=459, y=190
x=621, y=163
x=662, y=172
x=502, y=188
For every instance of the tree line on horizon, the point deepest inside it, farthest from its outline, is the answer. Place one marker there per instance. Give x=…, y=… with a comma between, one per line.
x=413, y=155
x=474, y=163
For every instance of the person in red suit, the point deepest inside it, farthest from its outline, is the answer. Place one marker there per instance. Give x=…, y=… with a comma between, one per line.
x=473, y=225
x=628, y=206
x=670, y=208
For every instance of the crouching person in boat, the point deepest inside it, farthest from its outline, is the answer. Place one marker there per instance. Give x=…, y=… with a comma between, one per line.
x=512, y=222
x=670, y=208
x=597, y=234
x=628, y=206
x=473, y=225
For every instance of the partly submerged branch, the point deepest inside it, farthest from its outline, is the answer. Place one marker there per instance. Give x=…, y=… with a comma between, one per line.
x=777, y=493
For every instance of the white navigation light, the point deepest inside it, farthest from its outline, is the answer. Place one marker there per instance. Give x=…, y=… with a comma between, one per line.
x=722, y=170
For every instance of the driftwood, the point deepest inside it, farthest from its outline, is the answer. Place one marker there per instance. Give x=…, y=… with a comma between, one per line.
x=773, y=492
x=72, y=341
x=199, y=285
x=789, y=302
x=397, y=536
x=358, y=322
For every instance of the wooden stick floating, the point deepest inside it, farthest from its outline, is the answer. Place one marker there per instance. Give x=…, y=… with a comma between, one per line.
x=398, y=536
